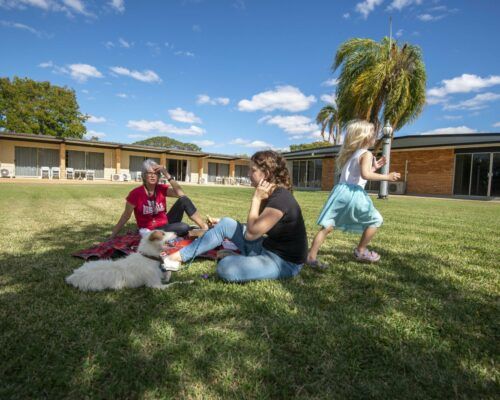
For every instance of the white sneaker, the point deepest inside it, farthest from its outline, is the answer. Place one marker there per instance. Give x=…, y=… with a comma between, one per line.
x=170, y=265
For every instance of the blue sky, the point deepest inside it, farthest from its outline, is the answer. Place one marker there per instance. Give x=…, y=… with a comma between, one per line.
x=235, y=76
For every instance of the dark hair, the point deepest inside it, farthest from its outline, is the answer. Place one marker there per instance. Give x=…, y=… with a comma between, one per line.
x=274, y=166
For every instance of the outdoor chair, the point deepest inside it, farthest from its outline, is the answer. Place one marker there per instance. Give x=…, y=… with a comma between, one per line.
x=90, y=174
x=138, y=176
x=218, y=180
x=70, y=173
x=45, y=172
x=55, y=172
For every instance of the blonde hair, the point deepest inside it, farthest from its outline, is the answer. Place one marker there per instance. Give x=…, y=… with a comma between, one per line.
x=358, y=135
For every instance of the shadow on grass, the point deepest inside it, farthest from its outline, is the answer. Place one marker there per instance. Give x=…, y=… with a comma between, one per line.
x=388, y=331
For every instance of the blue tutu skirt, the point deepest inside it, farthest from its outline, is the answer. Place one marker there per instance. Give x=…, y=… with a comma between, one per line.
x=350, y=209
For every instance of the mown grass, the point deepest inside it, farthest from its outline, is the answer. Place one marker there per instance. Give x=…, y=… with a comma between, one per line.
x=423, y=323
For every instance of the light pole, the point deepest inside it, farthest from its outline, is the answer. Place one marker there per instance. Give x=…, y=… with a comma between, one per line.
x=386, y=151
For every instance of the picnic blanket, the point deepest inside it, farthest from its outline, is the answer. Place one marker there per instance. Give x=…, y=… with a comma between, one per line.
x=127, y=244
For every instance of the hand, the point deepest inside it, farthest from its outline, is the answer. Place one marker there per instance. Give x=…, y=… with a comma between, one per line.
x=393, y=176
x=212, y=221
x=162, y=170
x=263, y=190
x=379, y=163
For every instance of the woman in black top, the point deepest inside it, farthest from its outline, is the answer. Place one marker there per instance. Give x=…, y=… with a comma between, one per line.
x=273, y=242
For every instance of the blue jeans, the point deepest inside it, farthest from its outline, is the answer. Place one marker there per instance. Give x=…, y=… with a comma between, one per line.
x=254, y=263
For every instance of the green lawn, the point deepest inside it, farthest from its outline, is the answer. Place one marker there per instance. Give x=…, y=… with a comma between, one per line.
x=423, y=323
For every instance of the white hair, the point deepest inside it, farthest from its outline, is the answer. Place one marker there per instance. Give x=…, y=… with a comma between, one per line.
x=147, y=165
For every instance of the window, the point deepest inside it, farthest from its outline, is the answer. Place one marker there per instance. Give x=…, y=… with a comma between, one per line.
x=216, y=170
x=86, y=160
x=307, y=173
x=136, y=164
x=29, y=160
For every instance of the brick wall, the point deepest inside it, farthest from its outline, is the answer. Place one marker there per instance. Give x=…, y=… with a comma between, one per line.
x=327, y=173
x=428, y=171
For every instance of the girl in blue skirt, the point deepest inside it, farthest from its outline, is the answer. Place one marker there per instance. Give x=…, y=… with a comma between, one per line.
x=349, y=208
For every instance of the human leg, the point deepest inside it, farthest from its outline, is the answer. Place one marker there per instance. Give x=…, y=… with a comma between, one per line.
x=179, y=228
x=267, y=265
x=226, y=228
x=185, y=205
x=361, y=253
x=317, y=242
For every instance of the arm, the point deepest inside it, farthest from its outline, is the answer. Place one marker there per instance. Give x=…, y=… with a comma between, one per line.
x=129, y=208
x=258, y=225
x=175, y=189
x=366, y=163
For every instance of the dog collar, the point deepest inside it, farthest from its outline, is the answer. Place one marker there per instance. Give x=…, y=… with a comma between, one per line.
x=152, y=257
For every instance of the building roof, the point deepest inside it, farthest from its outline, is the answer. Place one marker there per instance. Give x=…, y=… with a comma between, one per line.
x=116, y=145
x=411, y=142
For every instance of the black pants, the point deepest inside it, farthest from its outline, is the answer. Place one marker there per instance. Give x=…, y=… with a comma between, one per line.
x=175, y=215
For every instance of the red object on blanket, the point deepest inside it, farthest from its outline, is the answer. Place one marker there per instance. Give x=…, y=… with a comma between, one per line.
x=127, y=244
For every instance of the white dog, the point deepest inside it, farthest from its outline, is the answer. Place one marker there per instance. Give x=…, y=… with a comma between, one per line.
x=135, y=270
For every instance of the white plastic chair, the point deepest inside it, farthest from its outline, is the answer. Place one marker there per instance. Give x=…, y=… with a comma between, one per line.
x=45, y=172
x=218, y=179
x=90, y=174
x=55, y=172
x=138, y=176
x=70, y=173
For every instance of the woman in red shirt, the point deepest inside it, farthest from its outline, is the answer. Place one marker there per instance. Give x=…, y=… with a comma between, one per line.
x=149, y=205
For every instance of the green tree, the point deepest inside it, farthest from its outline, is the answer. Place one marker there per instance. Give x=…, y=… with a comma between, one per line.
x=328, y=116
x=164, y=141
x=28, y=106
x=306, y=146
x=380, y=82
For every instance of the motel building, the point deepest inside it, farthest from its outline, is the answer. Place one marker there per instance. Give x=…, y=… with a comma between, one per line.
x=458, y=165
x=39, y=156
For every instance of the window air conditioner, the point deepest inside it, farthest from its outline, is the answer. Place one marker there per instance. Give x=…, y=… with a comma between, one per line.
x=116, y=178
x=397, y=187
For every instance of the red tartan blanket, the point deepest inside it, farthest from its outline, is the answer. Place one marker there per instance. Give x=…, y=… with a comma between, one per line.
x=127, y=244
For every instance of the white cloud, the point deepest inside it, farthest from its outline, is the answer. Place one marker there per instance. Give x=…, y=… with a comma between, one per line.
x=330, y=82
x=109, y=44
x=96, y=120
x=85, y=91
x=291, y=124
x=82, y=72
x=399, y=33
x=239, y=141
x=429, y=17
x=252, y=144
x=287, y=98
x=118, y=5
x=367, y=6
x=476, y=103
x=450, y=130
x=123, y=43
x=329, y=98
x=67, y=6
x=77, y=6
x=184, y=53
x=205, y=99
x=180, y=115
x=452, y=117
x=122, y=95
x=204, y=143
x=400, y=4
x=144, y=76
x=46, y=64
x=463, y=84
x=496, y=125
x=346, y=16
x=17, y=25
x=162, y=127
x=90, y=134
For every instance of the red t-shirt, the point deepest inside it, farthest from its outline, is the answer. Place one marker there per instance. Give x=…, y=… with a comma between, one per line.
x=150, y=212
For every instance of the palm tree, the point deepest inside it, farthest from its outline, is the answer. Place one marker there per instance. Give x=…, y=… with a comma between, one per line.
x=328, y=117
x=380, y=81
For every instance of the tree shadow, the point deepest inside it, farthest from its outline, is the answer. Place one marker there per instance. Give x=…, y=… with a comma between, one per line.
x=388, y=331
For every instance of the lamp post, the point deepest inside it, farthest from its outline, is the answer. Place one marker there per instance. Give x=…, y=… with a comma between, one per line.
x=386, y=151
